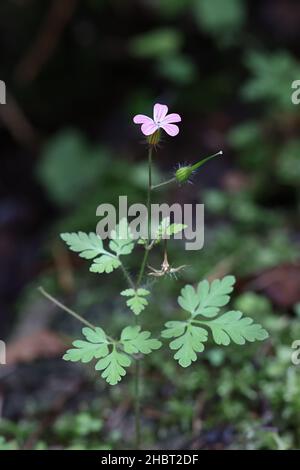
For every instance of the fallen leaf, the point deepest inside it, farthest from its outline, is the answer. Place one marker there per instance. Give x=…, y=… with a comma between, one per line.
x=281, y=284
x=41, y=344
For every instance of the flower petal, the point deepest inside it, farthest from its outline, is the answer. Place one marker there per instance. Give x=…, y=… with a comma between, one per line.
x=141, y=119
x=171, y=118
x=159, y=112
x=171, y=129
x=149, y=128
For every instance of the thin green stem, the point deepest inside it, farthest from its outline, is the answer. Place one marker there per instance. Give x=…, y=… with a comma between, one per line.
x=149, y=192
x=66, y=309
x=71, y=312
x=171, y=180
x=127, y=276
x=143, y=265
x=146, y=254
x=137, y=378
x=137, y=404
x=200, y=322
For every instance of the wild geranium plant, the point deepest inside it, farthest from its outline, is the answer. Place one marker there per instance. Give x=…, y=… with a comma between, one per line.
x=203, y=304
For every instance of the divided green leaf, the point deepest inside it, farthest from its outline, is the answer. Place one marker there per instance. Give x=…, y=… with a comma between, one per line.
x=121, y=239
x=105, y=264
x=208, y=298
x=136, y=341
x=174, y=329
x=114, y=356
x=87, y=245
x=137, y=301
x=164, y=230
x=232, y=326
x=90, y=245
x=113, y=366
x=189, y=341
x=96, y=346
x=167, y=229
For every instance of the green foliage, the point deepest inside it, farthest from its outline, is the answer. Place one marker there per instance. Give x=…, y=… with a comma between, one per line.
x=179, y=69
x=113, y=366
x=288, y=163
x=96, y=346
x=113, y=357
x=249, y=140
x=70, y=166
x=255, y=396
x=105, y=264
x=137, y=301
x=273, y=75
x=297, y=309
x=74, y=426
x=187, y=343
x=208, y=298
x=219, y=20
x=250, y=302
x=206, y=301
x=90, y=245
x=87, y=245
x=121, y=239
x=164, y=230
x=244, y=211
x=171, y=8
x=136, y=341
x=5, y=445
x=232, y=326
x=157, y=43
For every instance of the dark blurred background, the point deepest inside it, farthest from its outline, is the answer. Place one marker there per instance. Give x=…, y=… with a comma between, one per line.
x=76, y=72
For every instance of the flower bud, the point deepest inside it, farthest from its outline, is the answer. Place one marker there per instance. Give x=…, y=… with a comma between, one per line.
x=154, y=138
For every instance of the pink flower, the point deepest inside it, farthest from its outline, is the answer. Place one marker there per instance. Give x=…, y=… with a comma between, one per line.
x=160, y=120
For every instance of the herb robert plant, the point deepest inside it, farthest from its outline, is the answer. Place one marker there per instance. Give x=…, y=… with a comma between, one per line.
x=203, y=304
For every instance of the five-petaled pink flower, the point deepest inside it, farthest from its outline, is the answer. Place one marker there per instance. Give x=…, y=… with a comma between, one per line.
x=160, y=120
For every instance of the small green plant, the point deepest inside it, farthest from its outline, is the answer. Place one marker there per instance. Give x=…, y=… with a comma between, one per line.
x=201, y=306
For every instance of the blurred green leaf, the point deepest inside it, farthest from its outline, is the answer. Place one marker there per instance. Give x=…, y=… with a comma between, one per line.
x=288, y=163
x=250, y=302
x=82, y=424
x=5, y=445
x=272, y=76
x=297, y=309
x=179, y=69
x=157, y=43
x=220, y=19
x=121, y=239
x=69, y=166
x=171, y=8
